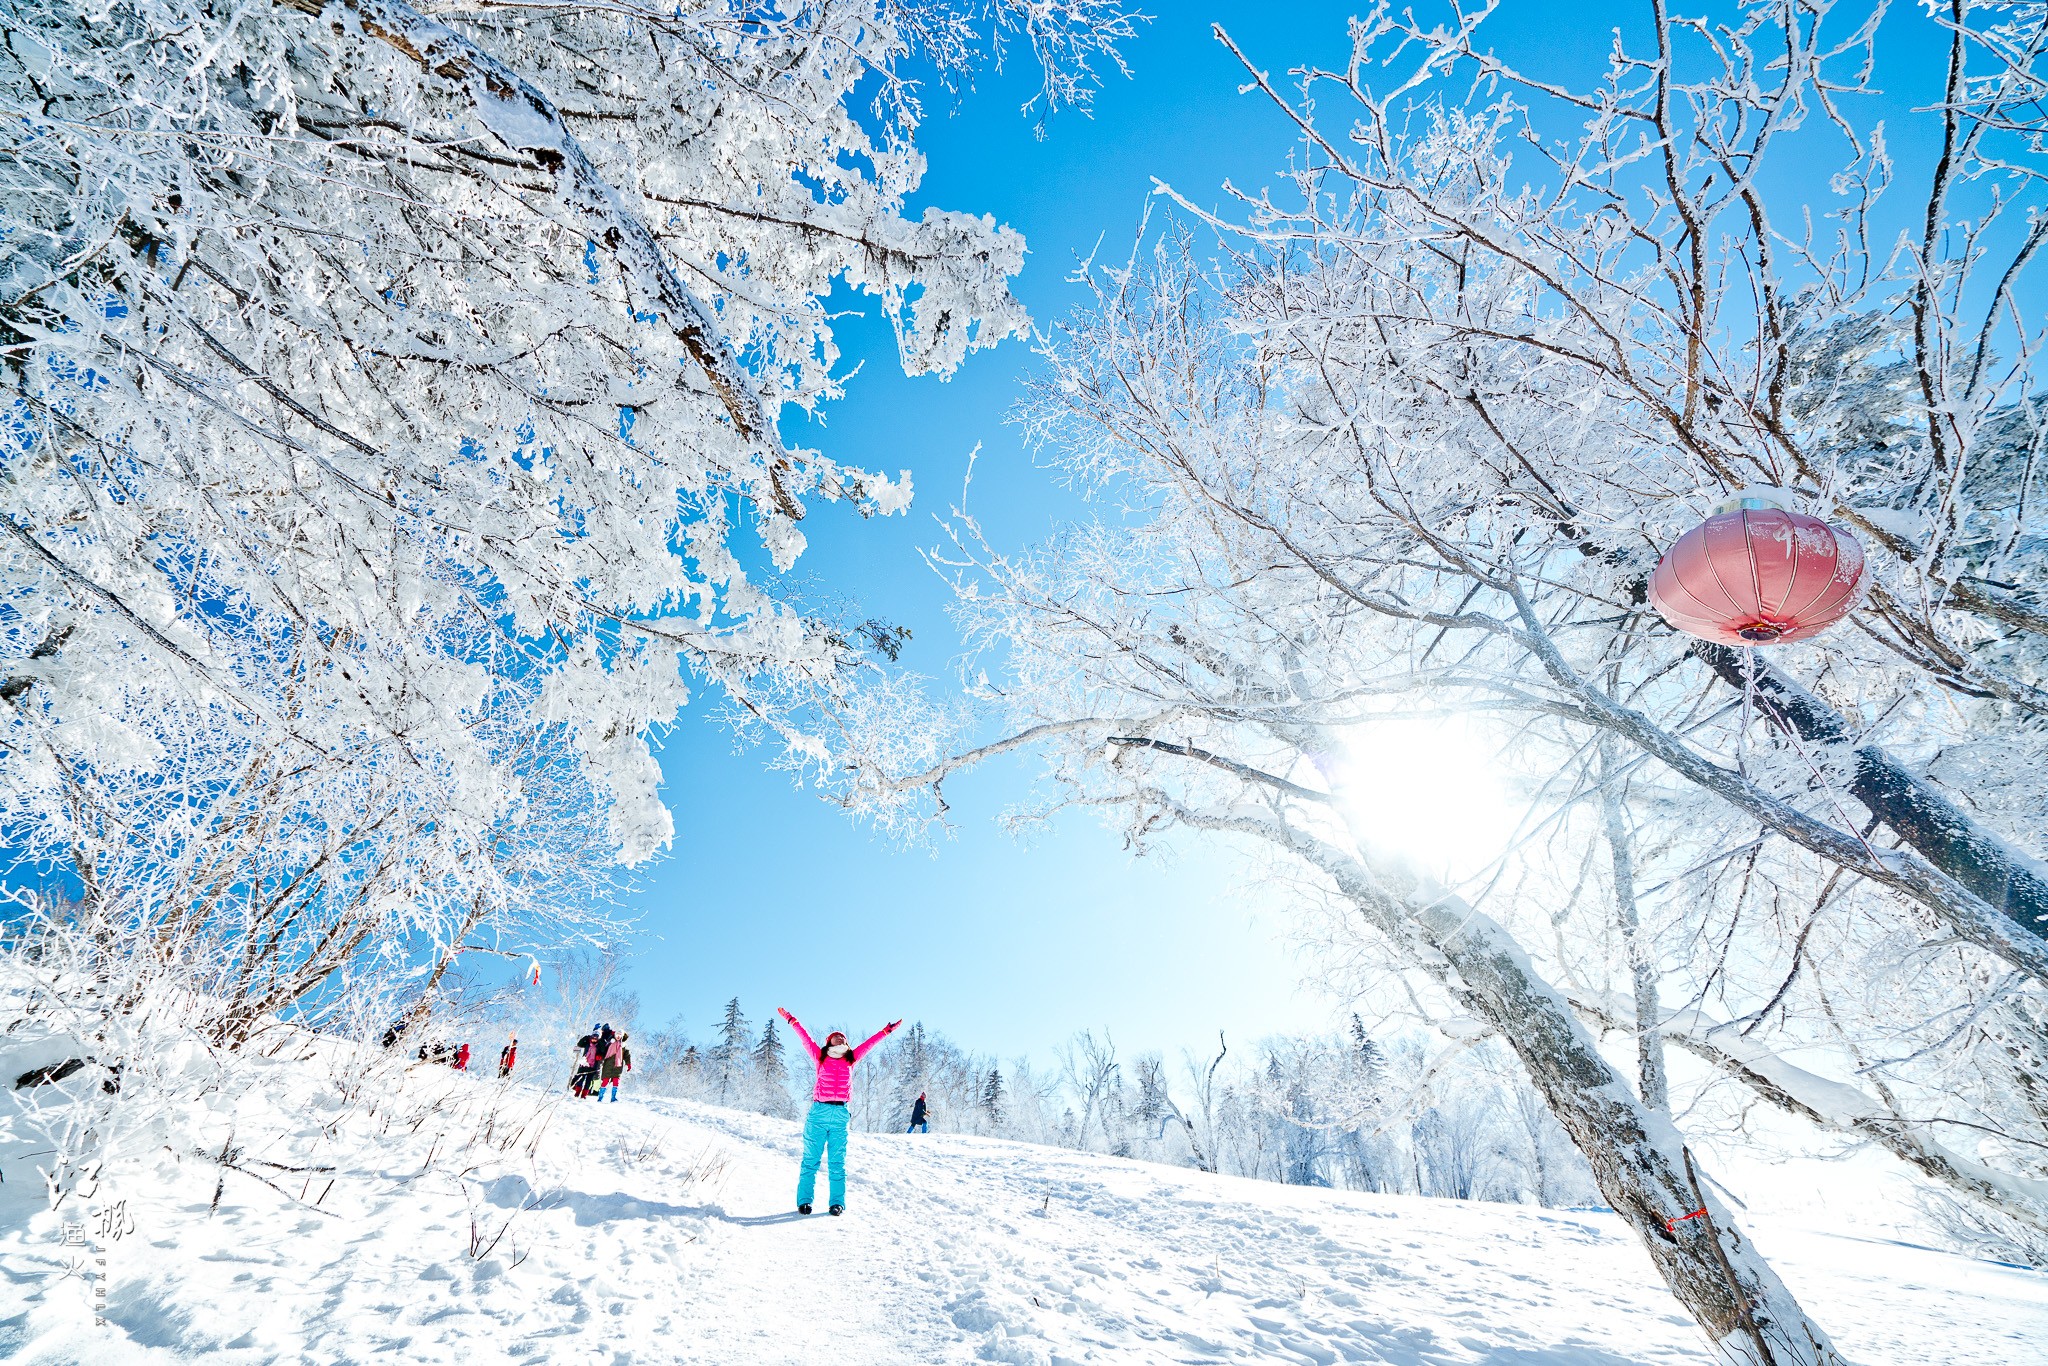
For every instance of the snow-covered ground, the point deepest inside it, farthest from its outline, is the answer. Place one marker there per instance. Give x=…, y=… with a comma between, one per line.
x=663, y=1232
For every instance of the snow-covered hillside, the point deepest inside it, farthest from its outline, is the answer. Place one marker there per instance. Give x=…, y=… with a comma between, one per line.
x=653, y=1231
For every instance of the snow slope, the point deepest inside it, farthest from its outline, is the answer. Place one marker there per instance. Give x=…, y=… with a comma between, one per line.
x=664, y=1234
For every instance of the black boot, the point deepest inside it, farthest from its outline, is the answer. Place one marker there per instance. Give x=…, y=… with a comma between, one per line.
x=803, y=1209
x=836, y=1209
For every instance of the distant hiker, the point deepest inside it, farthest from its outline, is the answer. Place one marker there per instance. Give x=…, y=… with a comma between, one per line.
x=825, y=1125
x=593, y=1058
x=508, y=1055
x=917, y=1117
x=600, y=1048
x=615, y=1064
x=461, y=1063
x=585, y=1076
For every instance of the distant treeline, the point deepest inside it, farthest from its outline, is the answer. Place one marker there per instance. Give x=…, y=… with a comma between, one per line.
x=1342, y=1110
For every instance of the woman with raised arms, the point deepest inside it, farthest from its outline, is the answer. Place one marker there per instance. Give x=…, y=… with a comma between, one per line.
x=825, y=1125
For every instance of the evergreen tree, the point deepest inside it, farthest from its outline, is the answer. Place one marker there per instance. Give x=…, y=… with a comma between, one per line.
x=914, y=1057
x=992, y=1097
x=1370, y=1061
x=1371, y=1164
x=771, y=1072
x=730, y=1054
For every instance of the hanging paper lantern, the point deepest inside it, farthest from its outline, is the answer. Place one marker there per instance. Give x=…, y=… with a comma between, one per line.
x=1756, y=574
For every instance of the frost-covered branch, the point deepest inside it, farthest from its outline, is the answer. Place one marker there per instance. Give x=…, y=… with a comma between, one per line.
x=1837, y=1107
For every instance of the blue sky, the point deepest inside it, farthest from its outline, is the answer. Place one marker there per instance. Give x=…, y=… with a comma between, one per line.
x=1005, y=947
x=775, y=896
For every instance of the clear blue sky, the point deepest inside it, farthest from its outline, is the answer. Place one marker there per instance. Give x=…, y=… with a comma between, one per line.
x=775, y=896
x=1009, y=948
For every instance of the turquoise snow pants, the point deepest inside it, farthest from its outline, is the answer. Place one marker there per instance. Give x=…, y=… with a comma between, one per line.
x=824, y=1133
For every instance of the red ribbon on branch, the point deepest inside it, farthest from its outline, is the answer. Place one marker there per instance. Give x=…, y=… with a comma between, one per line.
x=1671, y=1225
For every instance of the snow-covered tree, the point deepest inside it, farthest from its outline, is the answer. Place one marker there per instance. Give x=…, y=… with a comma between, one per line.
x=770, y=1072
x=667, y=1062
x=729, y=1060
x=398, y=396
x=993, y=1101
x=1405, y=456
x=914, y=1059
x=1092, y=1075
x=1150, y=1106
x=1368, y=1061
x=272, y=881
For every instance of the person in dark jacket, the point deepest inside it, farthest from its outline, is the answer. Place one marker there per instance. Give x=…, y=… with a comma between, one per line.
x=600, y=1049
x=508, y=1055
x=918, y=1124
x=585, y=1076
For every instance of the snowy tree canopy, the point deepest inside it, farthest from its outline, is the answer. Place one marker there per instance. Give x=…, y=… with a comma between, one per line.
x=437, y=348
x=1403, y=455
x=392, y=437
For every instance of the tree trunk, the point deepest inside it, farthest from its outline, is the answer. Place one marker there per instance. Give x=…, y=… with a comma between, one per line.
x=1202, y=1161
x=1913, y=875
x=1639, y=1160
x=1836, y=1108
x=1651, y=1078
x=1919, y=814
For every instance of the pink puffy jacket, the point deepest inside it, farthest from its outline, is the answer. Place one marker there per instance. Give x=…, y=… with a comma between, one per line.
x=835, y=1075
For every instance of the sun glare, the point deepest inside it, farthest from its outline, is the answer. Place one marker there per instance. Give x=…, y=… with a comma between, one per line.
x=1431, y=791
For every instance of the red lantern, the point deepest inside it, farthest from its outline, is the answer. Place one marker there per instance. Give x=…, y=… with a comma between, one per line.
x=1755, y=574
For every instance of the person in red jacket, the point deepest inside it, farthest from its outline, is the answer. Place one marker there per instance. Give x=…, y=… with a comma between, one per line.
x=617, y=1061
x=825, y=1125
x=461, y=1063
x=507, y=1056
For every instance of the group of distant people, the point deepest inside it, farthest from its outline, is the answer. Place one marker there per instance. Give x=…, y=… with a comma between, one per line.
x=457, y=1055
x=602, y=1059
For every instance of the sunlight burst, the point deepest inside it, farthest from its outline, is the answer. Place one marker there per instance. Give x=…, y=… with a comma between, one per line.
x=1430, y=790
